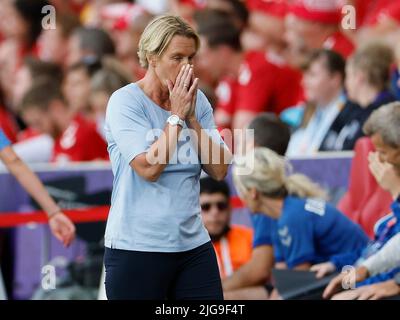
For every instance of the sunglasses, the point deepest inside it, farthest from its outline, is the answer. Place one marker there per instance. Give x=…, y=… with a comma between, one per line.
x=221, y=205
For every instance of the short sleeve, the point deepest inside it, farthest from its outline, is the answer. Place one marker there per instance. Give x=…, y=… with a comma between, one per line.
x=4, y=142
x=296, y=236
x=263, y=230
x=127, y=122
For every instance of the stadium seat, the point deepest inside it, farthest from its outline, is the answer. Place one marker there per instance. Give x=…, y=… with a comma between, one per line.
x=365, y=202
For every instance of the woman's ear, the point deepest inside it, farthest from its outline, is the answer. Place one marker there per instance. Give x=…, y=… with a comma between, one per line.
x=152, y=60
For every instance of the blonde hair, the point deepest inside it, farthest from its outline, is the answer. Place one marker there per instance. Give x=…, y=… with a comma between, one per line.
x=158, y=34
x=266, y=171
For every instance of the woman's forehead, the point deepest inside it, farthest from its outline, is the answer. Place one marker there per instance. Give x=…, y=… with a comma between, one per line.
x=182, y=45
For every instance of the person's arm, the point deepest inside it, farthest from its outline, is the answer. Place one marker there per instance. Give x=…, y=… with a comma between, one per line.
x=214, y=154
x=60, y=225
x=28, y=180
x=387, y=258
x=150, y=165
x=210, y=150
x=255, y=272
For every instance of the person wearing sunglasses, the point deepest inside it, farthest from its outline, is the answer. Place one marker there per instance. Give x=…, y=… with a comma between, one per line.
x=232, y=243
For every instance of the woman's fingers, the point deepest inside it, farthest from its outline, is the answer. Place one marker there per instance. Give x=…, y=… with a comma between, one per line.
x=184, y=80
x=365, y=295
x=178, y=80
x=193, y=88
x=319, y=269
x=187, y=77
x=332, y=287
x=170, y=86
x=321, y=273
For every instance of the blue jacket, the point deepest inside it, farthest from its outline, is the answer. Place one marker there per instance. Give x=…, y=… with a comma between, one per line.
x=385, y=229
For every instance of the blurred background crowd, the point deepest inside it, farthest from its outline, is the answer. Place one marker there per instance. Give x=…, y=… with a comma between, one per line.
x=304, y=74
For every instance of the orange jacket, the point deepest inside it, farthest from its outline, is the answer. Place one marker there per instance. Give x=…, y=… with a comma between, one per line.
x=234, y=249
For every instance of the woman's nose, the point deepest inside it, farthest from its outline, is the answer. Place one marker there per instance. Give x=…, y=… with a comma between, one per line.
x=186, y=60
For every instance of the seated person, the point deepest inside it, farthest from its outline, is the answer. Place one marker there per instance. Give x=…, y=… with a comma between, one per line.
x=307, y=229
x=382, y=127
x=323, y=85
x=249, y=280
x=232, y=243
x=385, y=259
x=367, y=86
x=385, y=228
x=44, y=109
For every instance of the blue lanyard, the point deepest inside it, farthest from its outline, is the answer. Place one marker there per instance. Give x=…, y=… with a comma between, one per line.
x=377, y=244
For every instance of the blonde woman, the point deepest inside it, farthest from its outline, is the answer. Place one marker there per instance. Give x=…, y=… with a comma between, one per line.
x=308, y=229
x=156, y=244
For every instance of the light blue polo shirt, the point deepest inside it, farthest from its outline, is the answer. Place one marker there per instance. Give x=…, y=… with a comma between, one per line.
x=161, y=216
x=4, y=142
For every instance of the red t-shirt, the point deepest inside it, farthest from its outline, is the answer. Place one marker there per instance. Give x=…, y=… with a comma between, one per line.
x=80, y=142
x=266, y=84
x=226, y=94
x=340, y=43
x=374, y=9
x=392, y=10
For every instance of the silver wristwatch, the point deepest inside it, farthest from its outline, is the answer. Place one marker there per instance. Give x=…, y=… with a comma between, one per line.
x=174, y=120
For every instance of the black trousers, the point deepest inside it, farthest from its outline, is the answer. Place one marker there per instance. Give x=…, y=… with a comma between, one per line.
x=188, y=275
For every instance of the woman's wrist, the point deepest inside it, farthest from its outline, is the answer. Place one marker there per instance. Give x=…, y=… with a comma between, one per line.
x=362, y=273
x=52, y=213
x=191, y=120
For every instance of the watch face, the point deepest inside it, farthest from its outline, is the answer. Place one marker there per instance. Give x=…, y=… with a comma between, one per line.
x=174, y=119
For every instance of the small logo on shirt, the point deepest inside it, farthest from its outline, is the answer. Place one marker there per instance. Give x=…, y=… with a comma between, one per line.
x=224, y=92
x=285, y=237
x=68, y=139
x=244, y=75
x=315, y=206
